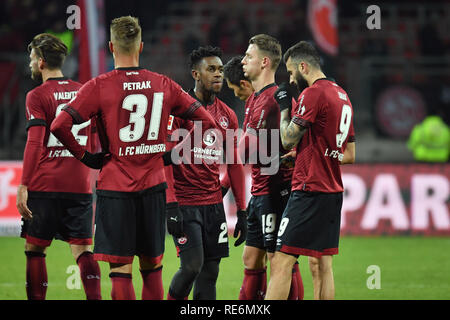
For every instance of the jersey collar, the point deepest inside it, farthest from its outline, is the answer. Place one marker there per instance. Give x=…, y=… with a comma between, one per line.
x=265, y=88
x=129, y=68
x=58, y=78
x=326, y=78
x=193, y=95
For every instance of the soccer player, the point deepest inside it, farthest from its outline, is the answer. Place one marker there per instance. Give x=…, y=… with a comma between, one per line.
x=53, y=202
x=134, y=105
x=242, y=89
x=197, y=186
x=269, y=191
x=236, y=80
x=322, y=131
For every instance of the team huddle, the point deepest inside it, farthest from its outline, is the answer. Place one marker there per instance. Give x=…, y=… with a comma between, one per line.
x=140, y=129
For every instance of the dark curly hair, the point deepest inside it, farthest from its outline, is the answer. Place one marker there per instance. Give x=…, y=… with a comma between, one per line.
x=305, y=51
x=202, y=52
x=233, y=71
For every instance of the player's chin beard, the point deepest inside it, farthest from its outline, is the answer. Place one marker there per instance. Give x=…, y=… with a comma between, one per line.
x=36, y=76
x=302, y=84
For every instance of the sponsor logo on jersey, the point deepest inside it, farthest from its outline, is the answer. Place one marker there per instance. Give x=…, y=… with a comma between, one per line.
x=210, y=138
x=182, y=240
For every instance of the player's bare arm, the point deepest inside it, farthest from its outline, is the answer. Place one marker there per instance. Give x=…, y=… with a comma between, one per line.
x=290, y=132
x=349, y=153
x=21, y=202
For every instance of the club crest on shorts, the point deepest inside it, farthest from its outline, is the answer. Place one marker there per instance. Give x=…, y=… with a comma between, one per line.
x=182, y=240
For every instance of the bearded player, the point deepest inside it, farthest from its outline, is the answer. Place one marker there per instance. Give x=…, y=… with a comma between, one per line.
x=51, y=205
x=322, y=131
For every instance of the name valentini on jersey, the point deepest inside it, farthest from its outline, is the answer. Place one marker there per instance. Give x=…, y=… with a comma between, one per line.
x=66, y=95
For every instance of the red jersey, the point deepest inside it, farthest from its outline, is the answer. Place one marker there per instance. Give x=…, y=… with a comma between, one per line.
x=199, y=184
x=55, y=167
x=262, y=112
x=325, y=109
x=133, y=105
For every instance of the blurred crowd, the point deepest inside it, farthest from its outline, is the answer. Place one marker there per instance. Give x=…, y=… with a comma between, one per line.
x=411, y=52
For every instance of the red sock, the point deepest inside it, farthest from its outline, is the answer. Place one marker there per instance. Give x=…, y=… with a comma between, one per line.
x=254, y=285
x=293, y=293
x=90, y=275
x=152, y=288
x=36, y=274
x=297, y=290
x=122, y=286
x=301, y=289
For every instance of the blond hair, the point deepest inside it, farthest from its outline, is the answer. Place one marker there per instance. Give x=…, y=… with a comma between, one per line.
x=269, y=46
x=126, y=34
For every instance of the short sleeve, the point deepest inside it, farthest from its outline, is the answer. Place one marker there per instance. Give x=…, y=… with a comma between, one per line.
x=86, y=103
x=307, y=108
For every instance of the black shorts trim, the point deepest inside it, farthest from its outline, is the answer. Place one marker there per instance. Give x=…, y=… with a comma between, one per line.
x=134, y=194
x=59, y=195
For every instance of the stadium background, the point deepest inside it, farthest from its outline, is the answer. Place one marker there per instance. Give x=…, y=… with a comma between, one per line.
x=396, y=211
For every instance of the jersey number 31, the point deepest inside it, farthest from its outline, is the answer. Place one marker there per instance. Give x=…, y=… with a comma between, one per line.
x=135, y=130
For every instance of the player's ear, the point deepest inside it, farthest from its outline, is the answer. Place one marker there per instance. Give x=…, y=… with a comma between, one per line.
x=111, y=47
x=243, y=84
x=141, y=47
x=303, y=67
x=195, y=74
x=265, y=62
x=41, y=64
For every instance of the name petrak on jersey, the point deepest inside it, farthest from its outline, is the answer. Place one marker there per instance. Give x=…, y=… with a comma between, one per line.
x=54, y=172
x=325, y=109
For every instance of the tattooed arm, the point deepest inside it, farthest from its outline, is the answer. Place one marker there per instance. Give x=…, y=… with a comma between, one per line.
x=290, y=132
